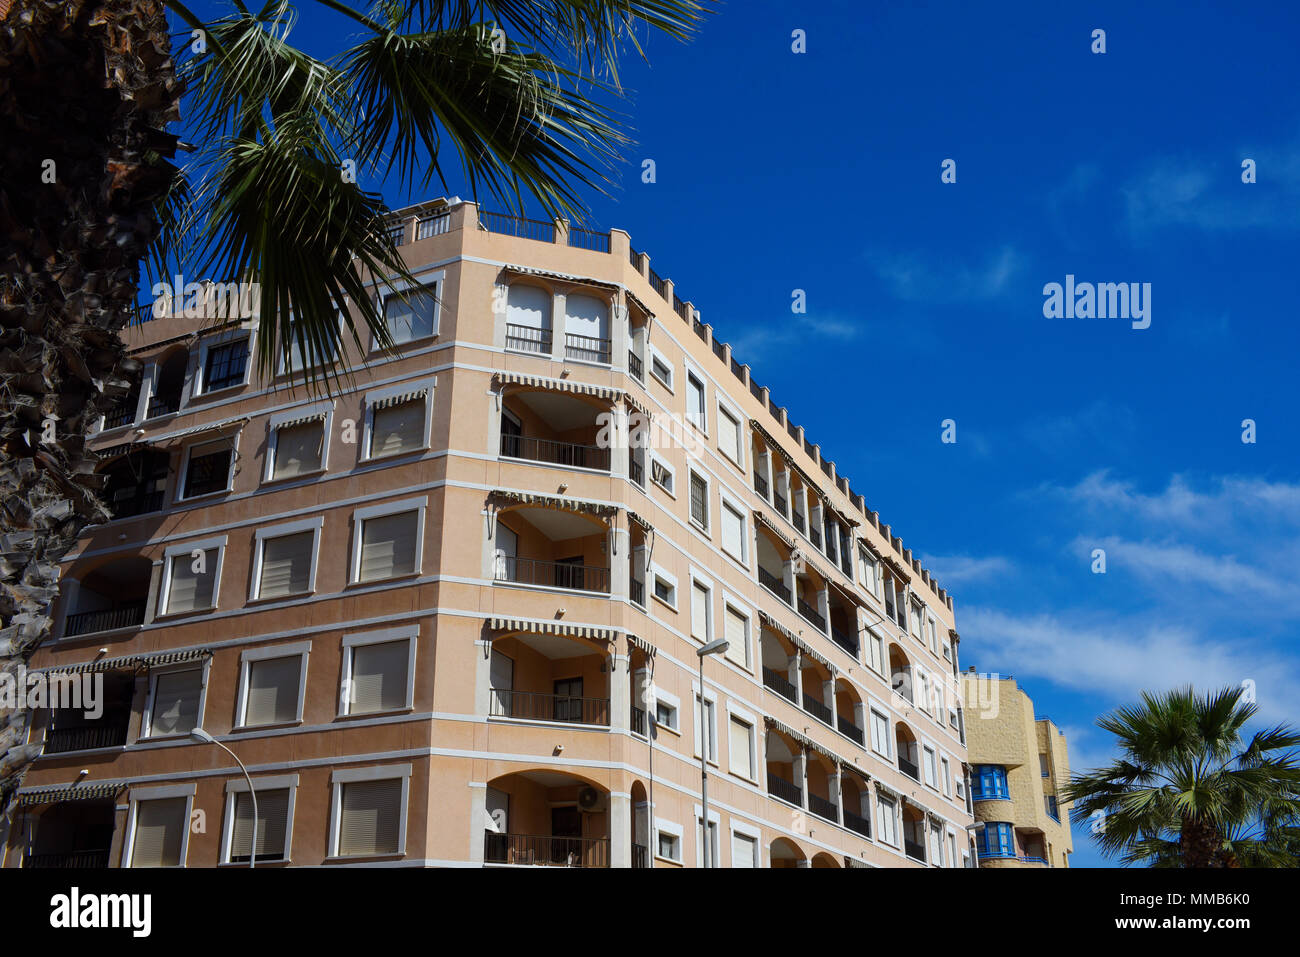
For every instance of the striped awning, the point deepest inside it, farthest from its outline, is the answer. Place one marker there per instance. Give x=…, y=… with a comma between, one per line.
x=98, y=791
x=122, y=448
x=854, y=862
x=559, y=385
x=803, y=740
x=561, y=276
x=198, y=429
x=128, y=662
x=318, y=415
x=637, y=519
x=555, y=501
x=897, y=568
x=771, y=527
x=897, y=795
x=798, y=642
x=849, y=593
x=636, y=301
x=776, y=446
x=634, y=405
x=389, y=401
x=638, y=642
x=553, y=628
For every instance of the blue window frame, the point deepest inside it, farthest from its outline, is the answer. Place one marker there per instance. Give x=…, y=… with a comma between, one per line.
x=998, y=839
x=1052, y=809
x=989, y=783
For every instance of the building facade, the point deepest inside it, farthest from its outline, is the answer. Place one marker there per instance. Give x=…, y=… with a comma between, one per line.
x=1019, y=768
x=449, y=615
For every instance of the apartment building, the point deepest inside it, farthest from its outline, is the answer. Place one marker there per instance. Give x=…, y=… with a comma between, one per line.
x=1019, y=768
x=449, y=615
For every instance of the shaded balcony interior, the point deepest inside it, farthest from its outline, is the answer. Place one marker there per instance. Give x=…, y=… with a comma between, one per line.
x=72, y=834
x=553, y=427
x=774, y=569
x=637, y=558
x=170, y=383
x=823, y=796
x=909, y=756
x=546, y=819
x=1031, y=846
x=784, y=853
x=894, y=592
x=71, y=729
x=849, y=712
x=843, y=621
x=638, y=329
x=640, y=825
x=779, y=664
x=124, y=411
x=135, y=483
x=855, y=799
x=817, y=686
x=559, y=678
x=639, y=671
x=783, y=777
x=810, y=596
x=110, y=596
x=913, y=833
x=900, y=673
x=552, y=548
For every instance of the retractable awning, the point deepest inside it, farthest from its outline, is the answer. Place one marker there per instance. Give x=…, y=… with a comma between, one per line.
x=555, y=501
x=637, y=519
x=553, y=628
x=559, y=385
x=803, y=740
x=98, y=791
x=197, y=430
x=389, y=401
x=771, y=527
x=561, y=276
x=798, y=642
x=644, y=645
x=124, y=662
x=317, y=415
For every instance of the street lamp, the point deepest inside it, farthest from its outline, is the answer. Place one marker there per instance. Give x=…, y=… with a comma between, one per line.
x=202, y=737
x=712, y=648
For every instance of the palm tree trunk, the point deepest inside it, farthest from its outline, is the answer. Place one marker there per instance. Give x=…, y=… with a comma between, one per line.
x=1200, y=843
x=87, y=88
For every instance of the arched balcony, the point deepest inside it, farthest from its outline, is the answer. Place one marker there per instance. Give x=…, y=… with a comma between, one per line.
x=786, y=853
x=108, y=597
x=914, y=832
x=900, y=673
x=72, y=834
x=817, y=684
x=169, y=385
x=908, y=754
x=546, y=818
x=774, y=567
x=135, y=483
x=780, y=664
x=855, y=799
x=850, y=712
x=823, y=859
x=549, y=677
x=784, y=759
x=555, y=428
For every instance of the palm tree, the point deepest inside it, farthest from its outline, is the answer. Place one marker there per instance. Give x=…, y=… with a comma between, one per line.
x=1189, y=791
x=514, y=91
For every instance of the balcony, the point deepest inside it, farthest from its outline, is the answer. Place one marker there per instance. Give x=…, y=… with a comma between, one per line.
x=817, y=709
x=909, y=768
x=126, y=615
x=799, y=522
x=71, y=729
x=111, y=596
x=778, y=500
x=760, y=485
x=528, y=339
x=811, y=616
x=640, y=856
x=634, y=366
x=857, y=824
x=554, y=428
x=636, y=591
x=785, y=790
x=822, y=808
x=639, y=723
x=586, y=348
x=845, y=640
x=636, y=471
x=780, y=684
x=545, y=851
x=546, y=818
x=69, y=860
x=535, y=571
x=774, y=584
x=571, y=454
x=536, y=706
x=914, y=850
x=76, y=835
x=850, y=730
x=123, y=413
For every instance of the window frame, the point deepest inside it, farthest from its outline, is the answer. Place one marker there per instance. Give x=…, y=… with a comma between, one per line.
x=711, y=699
x=695, y=375
x=739, y=715
x=186, y=549
x=354, y=640
x=140, y=796
x=657, y=571
x=361, y=515
x=429, y=385
x=237, y=786
x=295, y=417
x=284, y=530
x=727, y=410
x=383, y=291
x=703, y=477
x=207, y=345
x=668, y=467
x=381, y=772
x=146, y=717
x=672, y=374
x=729, y=502
x=250, y=656
x=698, y=580
x=673, y=830
x=673, y=703
x=745, y=611
x=187, y=454
x=749, y=833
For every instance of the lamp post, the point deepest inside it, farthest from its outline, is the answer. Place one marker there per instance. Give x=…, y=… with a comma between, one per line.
x=712, y=648
x=202, y=737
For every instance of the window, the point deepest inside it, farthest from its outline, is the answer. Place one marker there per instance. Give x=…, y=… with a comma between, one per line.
x=701, y=611
x=733, y=532
x=528, y=318
x=744, y=850
x=191, y=576
x=666, y=591
x=695, y=411
x=174, y=702
x=714, y=860
x=952, y=851
x=880, y=733
x=947, y=777
x=387, y=540
x=737, y=635
x=931, y=772
x=661, y=474
x=885, y=807
x=916, y=622
x=996, y=839
x=296, y=445
x=699, y=501
x=398, y=424
x=207, y=468
x=989, y=783
x=291, y=358
x=669, y=846
x=225, y=365
x=742, y=748
x=412, y=314
x=1043, y=767
x=378, y=672
x=586, y=329
x=369, y=811
x=876, y=651
x=947, y=650
x=711, y=725
x=665, y=713
x=729, y=435
x=934, y=635
x=158, y=838
x=661, y=369
x=272, y=684
x=272, y=826
x=285, y=561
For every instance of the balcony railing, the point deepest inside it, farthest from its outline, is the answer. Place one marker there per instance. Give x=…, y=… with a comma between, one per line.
x=534, y=571
x=855, y=822
x=845, y=640
x=555, y=453
x=634, y=366
x=535, y=706
x=586, y=348
x=103, y=734
x=123, y=414
x=818, y=710
x=1029, y=859
x=74, y=860
x=779, y=501
x=850, y=730
x=798, y=521
x=639, y=724
x=636, y=591
x=163, y=405
x=810, y=615
x=908, y=768
x=88, y=622
x=636, y=471
x=822, y=807
x=136, y=505
x=656, y=282
x=914, y=850
x=509, y=225
x=780, y=684
x=435, y=225
x=785, y=790
x=546, y=851
x=815, y=536
x=760, y=485
x=773, y=584
x=528, y=339
x=587, y=239
x=640, y=855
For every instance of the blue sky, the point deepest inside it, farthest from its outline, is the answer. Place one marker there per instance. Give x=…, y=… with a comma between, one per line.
x=820, y=171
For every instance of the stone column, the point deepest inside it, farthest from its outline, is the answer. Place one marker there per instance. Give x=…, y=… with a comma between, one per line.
x=618, y=333
x=824, y=605
x=796, y=675
x=482, y=677
x=828, y=695
x=620, y=830
x=477, y=815
x=801, y=776
x=619, y=440
x=557, y=327
x=837, y=795
x=620, y=714
x=788, y=579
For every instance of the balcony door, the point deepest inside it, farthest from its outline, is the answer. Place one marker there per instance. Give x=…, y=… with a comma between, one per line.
x=502, y=682
x=511, y=435
x=566, y=835
x=568, y=700
x=507, y=551
x=569, y=573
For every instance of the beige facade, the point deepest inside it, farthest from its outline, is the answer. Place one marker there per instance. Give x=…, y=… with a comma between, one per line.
x=1019, y=767
x=449, y=616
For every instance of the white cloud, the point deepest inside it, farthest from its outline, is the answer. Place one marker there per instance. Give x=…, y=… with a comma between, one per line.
x=914, y=280
x=963, y=569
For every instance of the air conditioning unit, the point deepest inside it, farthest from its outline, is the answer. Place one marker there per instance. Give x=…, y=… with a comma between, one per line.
x=590, y=800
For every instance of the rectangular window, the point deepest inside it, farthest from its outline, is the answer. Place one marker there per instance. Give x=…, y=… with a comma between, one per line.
x=670, y=847
x=661, y=475
x=711, y=729
x=397, y=428
x=876, y=652
x=1043, y=767
x=733, y=532
x=880, y=733
x=370, y=818
x=666, y=715
x=273, y=687
x=729, y=435
x=411, y=314
x=737, y=635
x=665, y=591
x=947, y=777
x=661, y=370
x=742, y=748
x=701, y=612
x=159, y=833
x=175, y=705
x=192, y=579
x=916, y=622
x=744, y=850
x=208, y=468
x=887, y=833
x=388, y=546
x=699, y=501
x=380, y=677
x=695, y=411
x=931, y=772
x=226, y=365
x=272, y=828
x=298, y=449
x=286, y=565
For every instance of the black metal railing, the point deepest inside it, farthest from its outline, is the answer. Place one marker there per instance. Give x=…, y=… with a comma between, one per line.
x=810, y=614
x=136, y=505
x=541, y=850
x=586, y=348
x=163, y=405
x=528, y=339
x=815, y=535
x=72, y=860
x=760, y=485
x=857, y=823
x=634, y=366
x=640, y=855
x=555, y=453
x=535, y=571
x=656, y=282
x=779, y=501
x=785, y=790
x=633, y=257
x=587, y=239
x=908, y=768
x=822, y=807
x=773, y=584
x=818, y=710
x=636, y=471
x=536, y=706
x=798, y=522
x=639, y=724
x=850, y=730
x=103, y=734
x=122, y=414
x=914, y=850
x=127, y=615
x=517, y=226
x=845, y=640
x=780, y=684
x=636, y=591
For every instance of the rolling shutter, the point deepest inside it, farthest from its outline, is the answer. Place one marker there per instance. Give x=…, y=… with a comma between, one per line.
x=699, y=611
x=733, y=532
x=190, y=591
x=298, y=449
x=742, y=850
x=159, y=833
x=286, y=565
x=737, y=637
x=371, y=818
x=397, y=428
x=741, y=748
x=272, y=825
x=379, y=676
x=176, y=702
x=388, y=546
x=729, y=436
x=273, y=691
